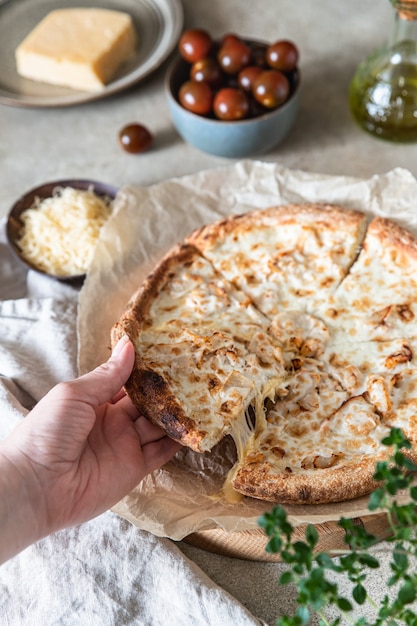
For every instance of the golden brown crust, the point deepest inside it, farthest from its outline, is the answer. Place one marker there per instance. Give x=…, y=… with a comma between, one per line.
x=320, y=486
x=394, y=238
x=323, y=486
x=329, y=215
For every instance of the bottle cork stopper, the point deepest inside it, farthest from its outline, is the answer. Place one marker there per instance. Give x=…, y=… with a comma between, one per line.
x=406, y=9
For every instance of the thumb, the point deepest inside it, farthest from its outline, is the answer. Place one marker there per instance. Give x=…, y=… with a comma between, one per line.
x=102, y=383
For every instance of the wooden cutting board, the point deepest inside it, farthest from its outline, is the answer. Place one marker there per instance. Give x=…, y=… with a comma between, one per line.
x=250, y=544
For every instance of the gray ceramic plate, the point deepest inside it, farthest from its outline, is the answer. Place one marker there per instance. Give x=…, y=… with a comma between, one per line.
x=158, y=23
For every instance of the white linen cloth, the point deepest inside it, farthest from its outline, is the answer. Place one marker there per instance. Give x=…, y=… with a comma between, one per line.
x=106, y=572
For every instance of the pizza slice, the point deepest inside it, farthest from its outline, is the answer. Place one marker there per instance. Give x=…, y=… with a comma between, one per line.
x=285, y=257
x=203, y=354
x=378, y=298
x=321, y=441
x=313, y=450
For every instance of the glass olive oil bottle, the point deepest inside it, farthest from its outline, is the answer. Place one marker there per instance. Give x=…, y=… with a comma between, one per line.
x=383, y=92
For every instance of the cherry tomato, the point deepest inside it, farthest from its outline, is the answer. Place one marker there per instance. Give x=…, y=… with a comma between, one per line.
x=207, y=70
x=247, y=76
x=271, y=89
x=282, y=55
x=196, y=97
x=231, y=104
x=234, y=56
x=195, y=44
x=230, y=38
x=135, y=138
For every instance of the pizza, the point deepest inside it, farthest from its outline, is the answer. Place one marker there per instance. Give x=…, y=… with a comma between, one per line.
x=293, y=330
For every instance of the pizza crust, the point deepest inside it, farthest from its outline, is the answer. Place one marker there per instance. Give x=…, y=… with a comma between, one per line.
x=319, y=487
x=292, y=329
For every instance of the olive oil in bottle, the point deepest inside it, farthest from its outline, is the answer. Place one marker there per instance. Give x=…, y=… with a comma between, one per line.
x=383, y=92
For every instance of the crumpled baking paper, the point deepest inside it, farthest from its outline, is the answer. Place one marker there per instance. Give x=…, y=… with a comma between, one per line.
x=182, y=498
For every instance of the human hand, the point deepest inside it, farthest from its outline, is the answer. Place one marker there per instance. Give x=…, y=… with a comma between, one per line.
x=85, y=446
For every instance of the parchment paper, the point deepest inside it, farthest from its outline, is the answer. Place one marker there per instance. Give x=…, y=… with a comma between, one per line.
x=181, y=498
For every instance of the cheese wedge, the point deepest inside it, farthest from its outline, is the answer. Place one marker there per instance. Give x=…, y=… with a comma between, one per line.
x=78, y=48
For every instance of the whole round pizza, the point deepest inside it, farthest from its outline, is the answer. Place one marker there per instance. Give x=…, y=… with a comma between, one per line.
x=292, y=329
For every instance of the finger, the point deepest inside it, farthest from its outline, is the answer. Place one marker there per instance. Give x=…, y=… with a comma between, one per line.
x=104, y=382
x=119, y=395
x=147, y=431
x=125, y=405
x=157, y=453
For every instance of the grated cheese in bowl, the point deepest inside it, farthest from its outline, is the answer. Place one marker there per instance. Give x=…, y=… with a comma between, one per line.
x=60, y=233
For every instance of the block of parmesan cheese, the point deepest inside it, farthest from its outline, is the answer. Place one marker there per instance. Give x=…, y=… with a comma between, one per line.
x=80, y=48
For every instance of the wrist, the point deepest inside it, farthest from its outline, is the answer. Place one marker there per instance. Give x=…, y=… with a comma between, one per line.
x=21, y=504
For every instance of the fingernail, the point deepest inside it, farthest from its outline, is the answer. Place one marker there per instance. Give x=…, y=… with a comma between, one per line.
x=120, y=345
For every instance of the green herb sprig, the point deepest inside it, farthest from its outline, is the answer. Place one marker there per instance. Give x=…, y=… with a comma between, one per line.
x=309, y=569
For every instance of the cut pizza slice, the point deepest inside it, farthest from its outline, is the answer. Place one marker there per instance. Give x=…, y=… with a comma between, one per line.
x=322, y=439
x=203, y=354
x=321, y=443
x=378, y=298
x=285, y=257
x=315, y=455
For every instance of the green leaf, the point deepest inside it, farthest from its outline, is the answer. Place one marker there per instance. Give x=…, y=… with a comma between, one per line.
x=376, y=499
x=396, y=438
x=344, y=604
x=303, y=614
x=312, y=535
x=407, y=593
x=286, y=578
x=276, y=521
x=274, y=545
x=359, y=594
x=326, y=561
x=369, y=560
x=408, y=464
x=400, y=558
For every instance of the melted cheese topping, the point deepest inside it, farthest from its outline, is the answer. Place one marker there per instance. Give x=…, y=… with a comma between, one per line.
x=60, y=233
x=293, y=265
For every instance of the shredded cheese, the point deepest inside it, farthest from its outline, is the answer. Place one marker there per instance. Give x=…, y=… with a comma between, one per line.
x=60, y=233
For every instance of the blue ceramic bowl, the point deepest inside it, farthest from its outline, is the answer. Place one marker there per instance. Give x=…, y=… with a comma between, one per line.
x=238, y=139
